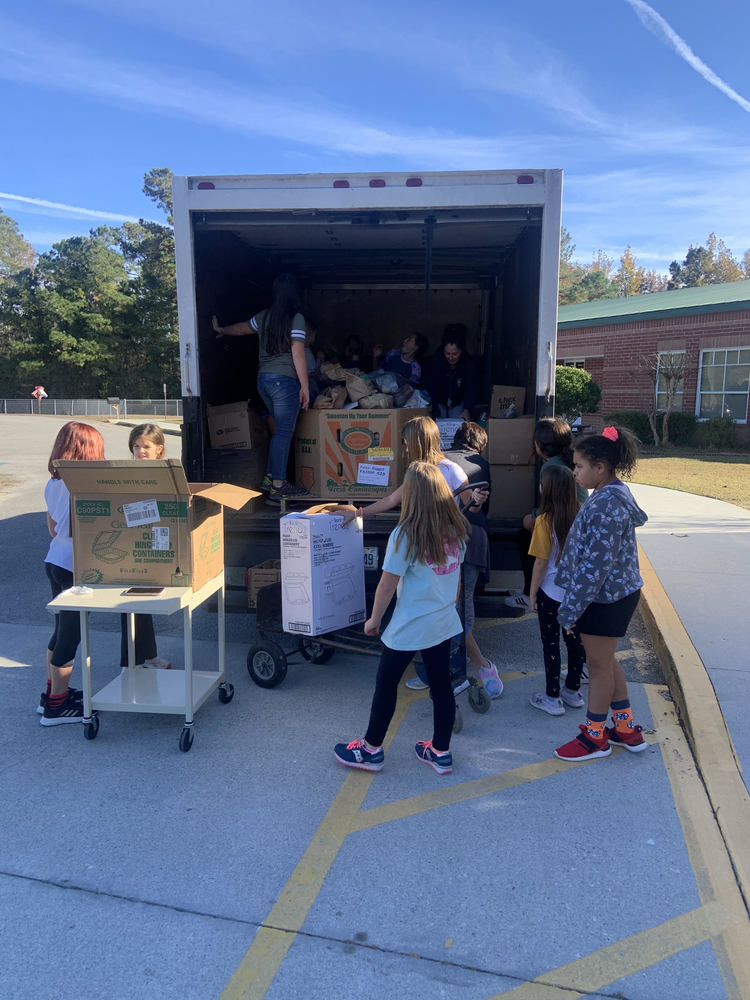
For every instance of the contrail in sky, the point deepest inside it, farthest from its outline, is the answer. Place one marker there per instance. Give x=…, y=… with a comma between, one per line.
x=659, y=27
x=81, y=213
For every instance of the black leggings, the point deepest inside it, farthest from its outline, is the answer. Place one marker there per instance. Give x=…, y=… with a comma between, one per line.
x=393, y=663
x=549, y=630
x=145, y=640
x=67, y=635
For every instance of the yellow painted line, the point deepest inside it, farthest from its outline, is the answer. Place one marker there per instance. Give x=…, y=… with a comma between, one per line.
x=632, y=954
x=704, y=723
x=453, y=794
x=275, y=937
x=711, y=857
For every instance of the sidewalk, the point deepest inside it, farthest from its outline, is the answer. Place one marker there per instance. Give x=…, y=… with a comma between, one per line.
x=697, y=576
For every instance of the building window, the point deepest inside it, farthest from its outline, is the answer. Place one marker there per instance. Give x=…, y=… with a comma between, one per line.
x=670, y=376
x=724, y=381
x=573, y=363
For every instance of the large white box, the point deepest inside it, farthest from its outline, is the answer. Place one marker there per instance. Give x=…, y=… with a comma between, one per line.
x=322, y=571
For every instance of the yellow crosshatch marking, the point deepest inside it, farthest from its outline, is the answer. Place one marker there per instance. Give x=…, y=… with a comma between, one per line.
x=721, y=919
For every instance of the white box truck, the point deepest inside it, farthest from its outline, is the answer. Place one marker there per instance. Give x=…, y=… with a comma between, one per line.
x=378, y=255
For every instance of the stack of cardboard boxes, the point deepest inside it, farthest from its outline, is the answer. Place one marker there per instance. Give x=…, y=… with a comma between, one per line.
x=510, y=452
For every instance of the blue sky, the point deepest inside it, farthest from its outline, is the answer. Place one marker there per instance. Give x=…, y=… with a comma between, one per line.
x=646, y=107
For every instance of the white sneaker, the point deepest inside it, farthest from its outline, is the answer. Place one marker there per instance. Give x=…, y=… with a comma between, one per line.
x=518, y=601
x=415, y=684
x=156, y=663
x=573, y=699
x=552, y=706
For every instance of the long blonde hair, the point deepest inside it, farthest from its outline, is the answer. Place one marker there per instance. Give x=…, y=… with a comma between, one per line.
x=421, y=437
x=429, y=515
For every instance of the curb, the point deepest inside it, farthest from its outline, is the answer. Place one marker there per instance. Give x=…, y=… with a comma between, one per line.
x=700, y=713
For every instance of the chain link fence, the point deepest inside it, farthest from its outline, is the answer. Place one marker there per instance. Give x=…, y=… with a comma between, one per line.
x=95, y=407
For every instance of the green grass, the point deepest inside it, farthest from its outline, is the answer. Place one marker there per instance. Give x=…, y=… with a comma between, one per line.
x=721, y=476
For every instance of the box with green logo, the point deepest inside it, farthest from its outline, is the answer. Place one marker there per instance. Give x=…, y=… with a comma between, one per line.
x=141, y=523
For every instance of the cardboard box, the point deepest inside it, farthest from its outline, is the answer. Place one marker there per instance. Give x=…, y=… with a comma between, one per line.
x=322, y=571
x=511, y=441
x=259, y=576
x=351, y=454
x=142, y=523
x=235, y=425
x=512, y=490
x=505, y=395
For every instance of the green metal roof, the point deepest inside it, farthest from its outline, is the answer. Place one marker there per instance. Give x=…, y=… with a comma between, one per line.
x=727, y=297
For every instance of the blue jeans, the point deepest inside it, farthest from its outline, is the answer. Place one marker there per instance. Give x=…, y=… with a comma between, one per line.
x=280, y=393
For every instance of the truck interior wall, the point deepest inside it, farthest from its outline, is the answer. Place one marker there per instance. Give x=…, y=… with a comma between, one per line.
x=387, y=315
x=517, y=304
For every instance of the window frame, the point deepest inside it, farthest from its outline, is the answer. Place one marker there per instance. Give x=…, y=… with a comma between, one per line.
x=723, y=391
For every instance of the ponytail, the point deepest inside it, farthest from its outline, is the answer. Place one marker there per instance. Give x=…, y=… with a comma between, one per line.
x=615, y=447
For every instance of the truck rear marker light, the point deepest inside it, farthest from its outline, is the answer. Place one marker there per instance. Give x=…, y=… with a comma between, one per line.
x=206, y=186
x=377, y=182
x=414, y=182
x=341, y=184
x=524, y=179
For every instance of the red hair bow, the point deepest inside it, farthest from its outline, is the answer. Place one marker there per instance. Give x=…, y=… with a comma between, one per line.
x=610, y=433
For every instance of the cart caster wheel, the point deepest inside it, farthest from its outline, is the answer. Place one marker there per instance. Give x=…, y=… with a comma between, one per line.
x=266, y=664
x=458, y=722
x=316, y=652
x=186, y=739
x=226, y=693
x=90, y=729
x=479, y=700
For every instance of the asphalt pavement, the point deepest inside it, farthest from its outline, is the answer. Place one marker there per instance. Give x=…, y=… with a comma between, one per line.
x=256, y=866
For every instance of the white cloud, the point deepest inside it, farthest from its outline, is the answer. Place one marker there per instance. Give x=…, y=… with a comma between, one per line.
x=656, y=24
x=56, y=208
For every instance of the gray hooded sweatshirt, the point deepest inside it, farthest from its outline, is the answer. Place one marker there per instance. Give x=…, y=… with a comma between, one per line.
x=600, y=559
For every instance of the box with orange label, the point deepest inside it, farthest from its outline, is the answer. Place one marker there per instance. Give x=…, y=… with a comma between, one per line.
x=351, y=454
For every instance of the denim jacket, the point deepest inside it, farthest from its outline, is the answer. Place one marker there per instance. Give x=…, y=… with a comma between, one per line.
x=600, y=559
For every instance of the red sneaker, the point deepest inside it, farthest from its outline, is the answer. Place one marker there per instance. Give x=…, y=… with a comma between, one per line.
x=632, y=741
x=584, y=748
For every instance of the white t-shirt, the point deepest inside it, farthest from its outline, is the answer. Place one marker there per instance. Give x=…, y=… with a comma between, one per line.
x=453, y=474
x=57, y=498
x=425, y=613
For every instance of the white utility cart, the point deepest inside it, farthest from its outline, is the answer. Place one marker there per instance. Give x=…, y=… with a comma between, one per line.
x=137, y=689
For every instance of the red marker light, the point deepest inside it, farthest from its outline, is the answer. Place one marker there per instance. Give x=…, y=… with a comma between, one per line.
x=524, y=179
x=341, y=184
x=206, y=186
x=414, y=182
x=377, y=182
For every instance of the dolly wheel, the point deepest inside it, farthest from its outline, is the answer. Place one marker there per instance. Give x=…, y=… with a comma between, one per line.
x=186, y=738
x=266, y=664
x=479, y=700
x=226, y=693
x=316, y=652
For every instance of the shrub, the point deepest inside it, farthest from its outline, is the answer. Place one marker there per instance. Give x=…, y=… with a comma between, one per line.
x=635, y=421
x=682, y=426
x=575, y=392
x=718, y=432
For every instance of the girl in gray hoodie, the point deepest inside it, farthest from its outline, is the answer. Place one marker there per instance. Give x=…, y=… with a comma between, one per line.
x=598, y=571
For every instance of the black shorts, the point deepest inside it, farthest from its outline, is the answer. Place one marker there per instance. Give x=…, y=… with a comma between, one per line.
x=608, y=619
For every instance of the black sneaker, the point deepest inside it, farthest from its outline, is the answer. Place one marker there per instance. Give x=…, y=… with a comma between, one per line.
x=43, y=699
x=286, y=491
x=71, y=710
x=267, y=485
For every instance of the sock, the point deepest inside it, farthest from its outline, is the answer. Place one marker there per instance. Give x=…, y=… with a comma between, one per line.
x=622, y=716
x=56, y=700
x=49, y=686
x=594, y=725
x=369, y=748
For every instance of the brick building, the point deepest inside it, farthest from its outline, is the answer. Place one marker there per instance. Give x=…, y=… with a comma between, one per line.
x=710, y=324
